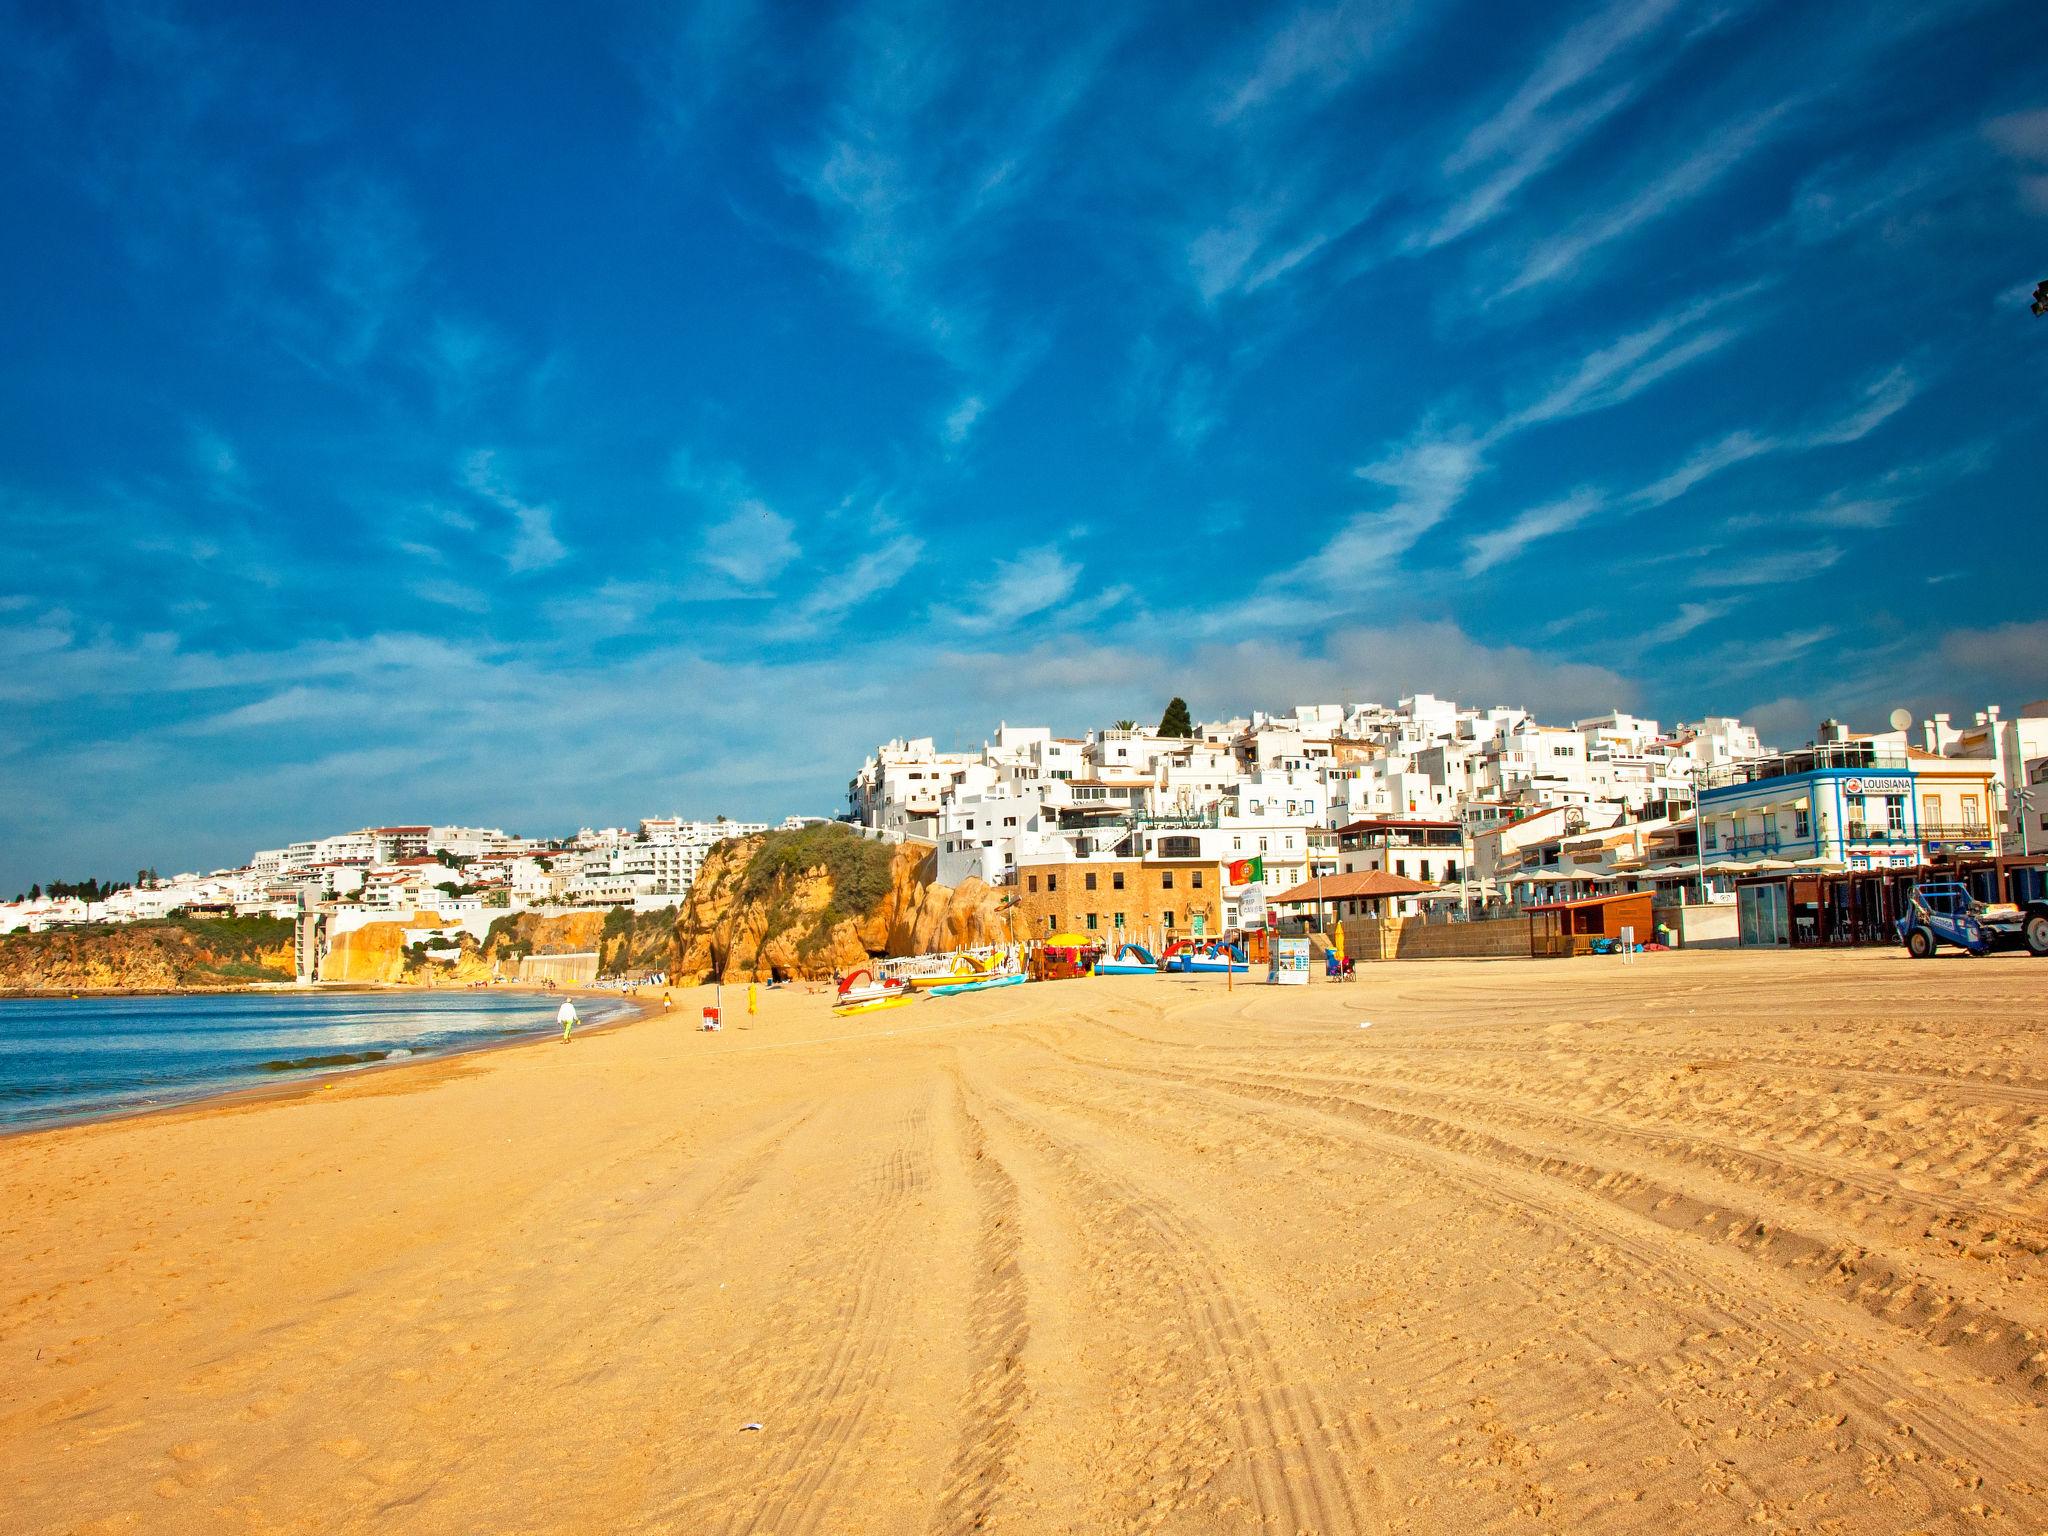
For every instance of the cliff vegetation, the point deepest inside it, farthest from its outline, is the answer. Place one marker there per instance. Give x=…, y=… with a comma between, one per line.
x=170, y=954
x=821, y=899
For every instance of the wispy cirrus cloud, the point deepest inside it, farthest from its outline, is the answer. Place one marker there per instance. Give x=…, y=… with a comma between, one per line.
x=2023, y=136
x=1765, y=570
x=924, y=160
x=533, y=546
x=1572, y=251
x=1610, y=375
x=1563, y=100
x=1311, y=52
x=1030, y=582
x=1430, y=473
x=1497, y=546
x=741, y=536
x=1880, y=400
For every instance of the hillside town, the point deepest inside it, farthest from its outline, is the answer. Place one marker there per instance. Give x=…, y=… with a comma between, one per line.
x=1425, y=810
x=1434, y=810
x=463, y=876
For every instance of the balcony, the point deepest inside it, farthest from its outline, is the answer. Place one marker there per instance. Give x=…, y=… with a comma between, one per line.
x=1782, y=765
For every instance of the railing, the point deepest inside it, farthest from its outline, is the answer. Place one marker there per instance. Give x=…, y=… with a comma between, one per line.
x=1209, y=818
x=1957, y=832
x=1889, y=837
x=1781, y=765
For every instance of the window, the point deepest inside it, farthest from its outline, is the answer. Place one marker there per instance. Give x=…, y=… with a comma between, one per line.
x=1089, y=879
x=1119, y=920
x=1167, y=917
x=1237, y=844
x=1290, y=841
x=1196, y=880
x=1166, y=879
x=1052, y=883
x=1973, y=814
x=1802, y=824
x=1930, y=809
x=1262, y=845
x=1091, y=922
x=1031, y=882
x=1179, y=848
x=1116, y=882
x=1401, y=867
x=1895, y=813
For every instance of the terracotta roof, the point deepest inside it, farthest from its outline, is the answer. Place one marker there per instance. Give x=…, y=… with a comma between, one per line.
x=1366, y=883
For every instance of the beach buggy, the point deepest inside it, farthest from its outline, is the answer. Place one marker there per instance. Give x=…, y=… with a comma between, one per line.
x=1947, y=912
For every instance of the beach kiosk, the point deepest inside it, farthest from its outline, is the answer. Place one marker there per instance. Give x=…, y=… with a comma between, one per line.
x=1064, y=957
x=1593, y=925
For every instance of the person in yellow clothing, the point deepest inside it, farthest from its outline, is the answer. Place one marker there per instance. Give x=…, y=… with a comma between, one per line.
x=567, y=1017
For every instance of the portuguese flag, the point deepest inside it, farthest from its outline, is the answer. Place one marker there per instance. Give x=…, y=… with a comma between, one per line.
x=1247, y=871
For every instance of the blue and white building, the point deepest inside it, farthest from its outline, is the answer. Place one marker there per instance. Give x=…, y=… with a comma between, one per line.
x=1843, y=806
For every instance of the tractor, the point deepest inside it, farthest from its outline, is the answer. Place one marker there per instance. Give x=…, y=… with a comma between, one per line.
x=1947, y=912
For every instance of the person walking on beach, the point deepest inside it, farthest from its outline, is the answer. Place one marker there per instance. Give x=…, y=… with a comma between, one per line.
x=566, y=1017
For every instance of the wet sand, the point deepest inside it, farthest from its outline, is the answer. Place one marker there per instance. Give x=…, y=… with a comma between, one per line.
x=1704, y=1243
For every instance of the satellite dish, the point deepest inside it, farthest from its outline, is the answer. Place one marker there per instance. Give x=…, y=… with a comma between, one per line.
x=1901, y=719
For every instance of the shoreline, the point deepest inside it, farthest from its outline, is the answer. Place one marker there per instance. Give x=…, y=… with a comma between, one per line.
x=633, y=1010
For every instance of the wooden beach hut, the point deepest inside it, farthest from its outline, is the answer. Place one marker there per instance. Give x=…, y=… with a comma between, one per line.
x=1590, y=924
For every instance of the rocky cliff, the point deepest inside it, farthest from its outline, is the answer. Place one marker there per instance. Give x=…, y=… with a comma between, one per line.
x=807, y=904
x=377, y=952
x=176, y=954
x=792, y=904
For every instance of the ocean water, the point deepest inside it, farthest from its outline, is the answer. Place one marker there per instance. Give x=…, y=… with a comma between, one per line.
x=67, y=1059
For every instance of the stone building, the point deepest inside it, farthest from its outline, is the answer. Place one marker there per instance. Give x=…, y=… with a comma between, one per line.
x=1162, y=898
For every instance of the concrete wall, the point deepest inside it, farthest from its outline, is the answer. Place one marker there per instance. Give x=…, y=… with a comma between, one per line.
x=1398, y=938
x=1712, y=926
x=563, y=970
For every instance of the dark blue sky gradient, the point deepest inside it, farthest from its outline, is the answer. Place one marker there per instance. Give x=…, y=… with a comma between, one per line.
x=541, y=416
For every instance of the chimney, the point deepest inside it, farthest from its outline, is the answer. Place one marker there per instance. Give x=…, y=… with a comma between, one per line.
x=1991, y=713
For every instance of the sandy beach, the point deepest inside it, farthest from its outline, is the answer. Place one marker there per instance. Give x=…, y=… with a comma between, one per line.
x=1704, y=1243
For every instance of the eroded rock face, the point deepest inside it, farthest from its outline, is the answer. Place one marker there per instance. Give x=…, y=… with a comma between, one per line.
x=373, y=952
x=142, y=957
x=722, y=933
x=376, y=952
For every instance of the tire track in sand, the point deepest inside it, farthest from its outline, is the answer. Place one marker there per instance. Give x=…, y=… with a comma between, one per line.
x=998, y=1328
x=1295, y=1452
x=842, y=1291
x=1878, y=1386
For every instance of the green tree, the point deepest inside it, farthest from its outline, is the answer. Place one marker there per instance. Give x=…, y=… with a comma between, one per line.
x=35, y=893
x=1175, y=721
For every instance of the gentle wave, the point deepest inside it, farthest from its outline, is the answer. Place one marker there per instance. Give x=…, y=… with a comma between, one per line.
x=338, y=1059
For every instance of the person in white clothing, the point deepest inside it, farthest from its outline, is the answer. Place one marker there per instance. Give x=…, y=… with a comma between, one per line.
x=566, y=1016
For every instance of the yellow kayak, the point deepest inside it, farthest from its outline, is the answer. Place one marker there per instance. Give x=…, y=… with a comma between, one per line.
x=894, y=1000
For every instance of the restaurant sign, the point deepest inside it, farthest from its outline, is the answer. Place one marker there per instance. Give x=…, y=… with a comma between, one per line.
x=1896, y=785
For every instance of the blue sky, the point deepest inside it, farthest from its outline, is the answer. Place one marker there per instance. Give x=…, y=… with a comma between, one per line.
x=549, y=415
